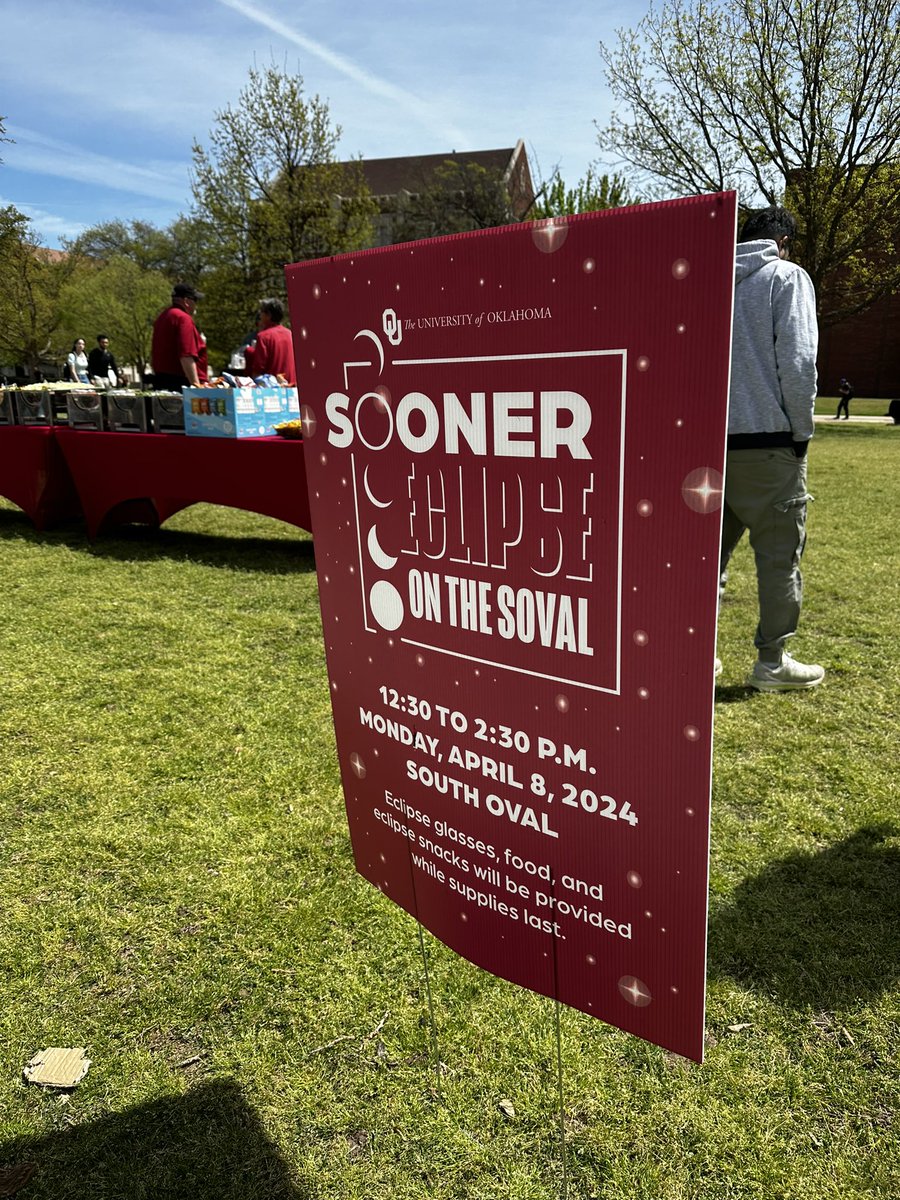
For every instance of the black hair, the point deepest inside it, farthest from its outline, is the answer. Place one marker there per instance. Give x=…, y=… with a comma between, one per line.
x=274, y=308
x=772, y=223
x=101, y=336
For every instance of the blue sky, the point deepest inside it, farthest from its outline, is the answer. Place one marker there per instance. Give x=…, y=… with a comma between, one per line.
x=104, y=99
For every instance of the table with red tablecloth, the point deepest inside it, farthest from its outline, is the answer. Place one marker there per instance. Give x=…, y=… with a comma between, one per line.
x=34, y=474
x=149, y=476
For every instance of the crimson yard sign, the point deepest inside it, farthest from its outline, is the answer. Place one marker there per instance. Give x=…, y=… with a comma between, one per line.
x=514, y=447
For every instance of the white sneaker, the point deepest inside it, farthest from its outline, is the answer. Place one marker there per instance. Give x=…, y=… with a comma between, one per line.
x=790, y=676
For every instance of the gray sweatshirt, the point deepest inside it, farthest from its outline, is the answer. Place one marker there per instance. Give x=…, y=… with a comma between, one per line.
x=773, y=346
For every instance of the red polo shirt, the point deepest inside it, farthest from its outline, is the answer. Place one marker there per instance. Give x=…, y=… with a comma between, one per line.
x=175, y=336
x=274, y=353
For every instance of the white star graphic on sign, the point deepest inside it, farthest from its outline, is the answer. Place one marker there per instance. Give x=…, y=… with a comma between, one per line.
x=634, y=991
x=705, y=491
x=357, y=766
x=702, y=490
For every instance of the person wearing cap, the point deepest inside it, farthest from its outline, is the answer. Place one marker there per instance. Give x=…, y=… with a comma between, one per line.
x=272, y=352
x=177, y=345
x=102, y=364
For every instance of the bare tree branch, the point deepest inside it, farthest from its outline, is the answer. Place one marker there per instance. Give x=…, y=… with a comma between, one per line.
x=788, y=101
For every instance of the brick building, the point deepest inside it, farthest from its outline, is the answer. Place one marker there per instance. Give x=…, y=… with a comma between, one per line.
x=865, y=350
x=390, y=178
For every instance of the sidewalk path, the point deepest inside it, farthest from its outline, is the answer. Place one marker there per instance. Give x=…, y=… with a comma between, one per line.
x=824, y=419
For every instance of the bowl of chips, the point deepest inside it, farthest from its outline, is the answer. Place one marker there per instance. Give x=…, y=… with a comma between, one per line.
x=289, y=429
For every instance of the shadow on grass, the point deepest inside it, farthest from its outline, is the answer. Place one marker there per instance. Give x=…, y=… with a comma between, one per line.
x=816, y=930
x=275, y=556
x=734, y=693
x=135, y=543
x=205, y=1145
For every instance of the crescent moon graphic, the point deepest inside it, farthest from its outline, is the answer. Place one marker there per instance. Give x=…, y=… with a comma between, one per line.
x=555, y=571
x=377, y=503
x=369, y=334
x=381, y=560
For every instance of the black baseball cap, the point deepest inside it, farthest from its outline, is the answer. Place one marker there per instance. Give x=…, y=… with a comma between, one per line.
x=184, y=291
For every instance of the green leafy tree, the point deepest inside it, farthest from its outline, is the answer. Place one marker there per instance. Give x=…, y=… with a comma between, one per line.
x=271, y=192
x=13, y=227
x=180, y=252
x=33, y=280
x=789, y=101
x=121, y=299
x=12, y=230
x=591, y=194
x=460, y=196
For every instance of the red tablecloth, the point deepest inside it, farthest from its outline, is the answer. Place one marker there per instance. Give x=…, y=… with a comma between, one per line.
x=34, y=474
x=150, y=476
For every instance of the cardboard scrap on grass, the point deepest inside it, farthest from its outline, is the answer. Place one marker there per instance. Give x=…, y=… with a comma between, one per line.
x=58, y=1067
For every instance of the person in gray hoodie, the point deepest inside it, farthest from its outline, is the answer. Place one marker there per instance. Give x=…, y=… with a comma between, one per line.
x=770, y=423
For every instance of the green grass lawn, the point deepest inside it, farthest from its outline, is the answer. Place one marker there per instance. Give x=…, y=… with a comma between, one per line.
x=177, y=895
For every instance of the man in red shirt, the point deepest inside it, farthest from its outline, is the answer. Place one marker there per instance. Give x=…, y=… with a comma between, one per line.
x=273, y=351
x=177, y=345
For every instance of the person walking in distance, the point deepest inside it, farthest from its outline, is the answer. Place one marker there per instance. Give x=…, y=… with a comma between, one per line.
x=75, y=369
x=102, y=364
x=770, y=423
x=846, y=395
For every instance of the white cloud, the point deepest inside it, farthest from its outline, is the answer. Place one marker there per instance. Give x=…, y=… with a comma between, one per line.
x=413, y=106
x=50, y=227
x=42, y=155
x=138, y=68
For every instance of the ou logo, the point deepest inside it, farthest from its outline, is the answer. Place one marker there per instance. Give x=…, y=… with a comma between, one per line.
x=390, y=323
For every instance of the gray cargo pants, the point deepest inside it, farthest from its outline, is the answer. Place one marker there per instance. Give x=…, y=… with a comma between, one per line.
x=765, y=493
